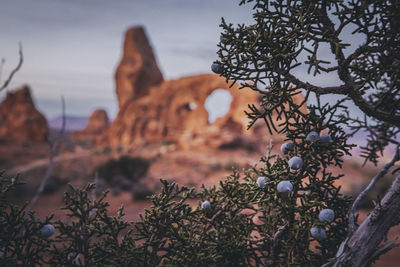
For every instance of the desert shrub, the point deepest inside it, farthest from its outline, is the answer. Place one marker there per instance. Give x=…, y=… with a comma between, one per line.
x=141, y=191
x=131, y=168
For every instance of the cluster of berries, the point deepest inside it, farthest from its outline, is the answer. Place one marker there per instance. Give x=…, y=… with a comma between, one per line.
x=315, y=137
x=285, y=186
x=325, y=215
x=295, y=163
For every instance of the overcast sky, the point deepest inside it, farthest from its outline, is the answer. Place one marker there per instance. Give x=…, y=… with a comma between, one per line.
x=72, y=47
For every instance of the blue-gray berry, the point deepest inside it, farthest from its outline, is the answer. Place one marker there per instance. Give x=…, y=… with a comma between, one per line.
x=318, y=233
x=325, y=138
x=206, y=205
x=312, y=136
x=47, y=230
x=286, y=147
x=295, y=163
x=261, y=181
x=217, y=68
x=284, y=187
x=326, y=215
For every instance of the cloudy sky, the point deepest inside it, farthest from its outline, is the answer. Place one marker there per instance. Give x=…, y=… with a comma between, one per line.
x=72, y=47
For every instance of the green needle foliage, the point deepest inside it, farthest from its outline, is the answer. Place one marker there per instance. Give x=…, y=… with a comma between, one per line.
x=93, y=237
x=320, y=36
x=20, y=240
x=246, y=223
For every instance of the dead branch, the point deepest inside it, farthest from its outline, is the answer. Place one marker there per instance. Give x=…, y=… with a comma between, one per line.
x=372, y=183
x=53, y=153
x=15, y=70
x=361, y=247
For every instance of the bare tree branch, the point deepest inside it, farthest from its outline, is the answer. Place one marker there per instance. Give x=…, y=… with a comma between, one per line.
x=21, y=59
x=53, y=152
x=362, y=247
x=372, y=183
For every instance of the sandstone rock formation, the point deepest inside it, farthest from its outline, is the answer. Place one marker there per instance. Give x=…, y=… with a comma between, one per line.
x=166, y=114
x=97, y=124
x=156, y=111
x=20, y=120
x=138, y=69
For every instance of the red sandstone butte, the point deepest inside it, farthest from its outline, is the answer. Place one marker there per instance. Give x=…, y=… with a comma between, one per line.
x=97, y=124
x=19, y=118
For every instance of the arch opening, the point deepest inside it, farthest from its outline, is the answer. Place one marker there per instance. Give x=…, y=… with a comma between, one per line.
x=217, y=104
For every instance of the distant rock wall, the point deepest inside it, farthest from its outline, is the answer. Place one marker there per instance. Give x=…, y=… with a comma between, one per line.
x=20, y=120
